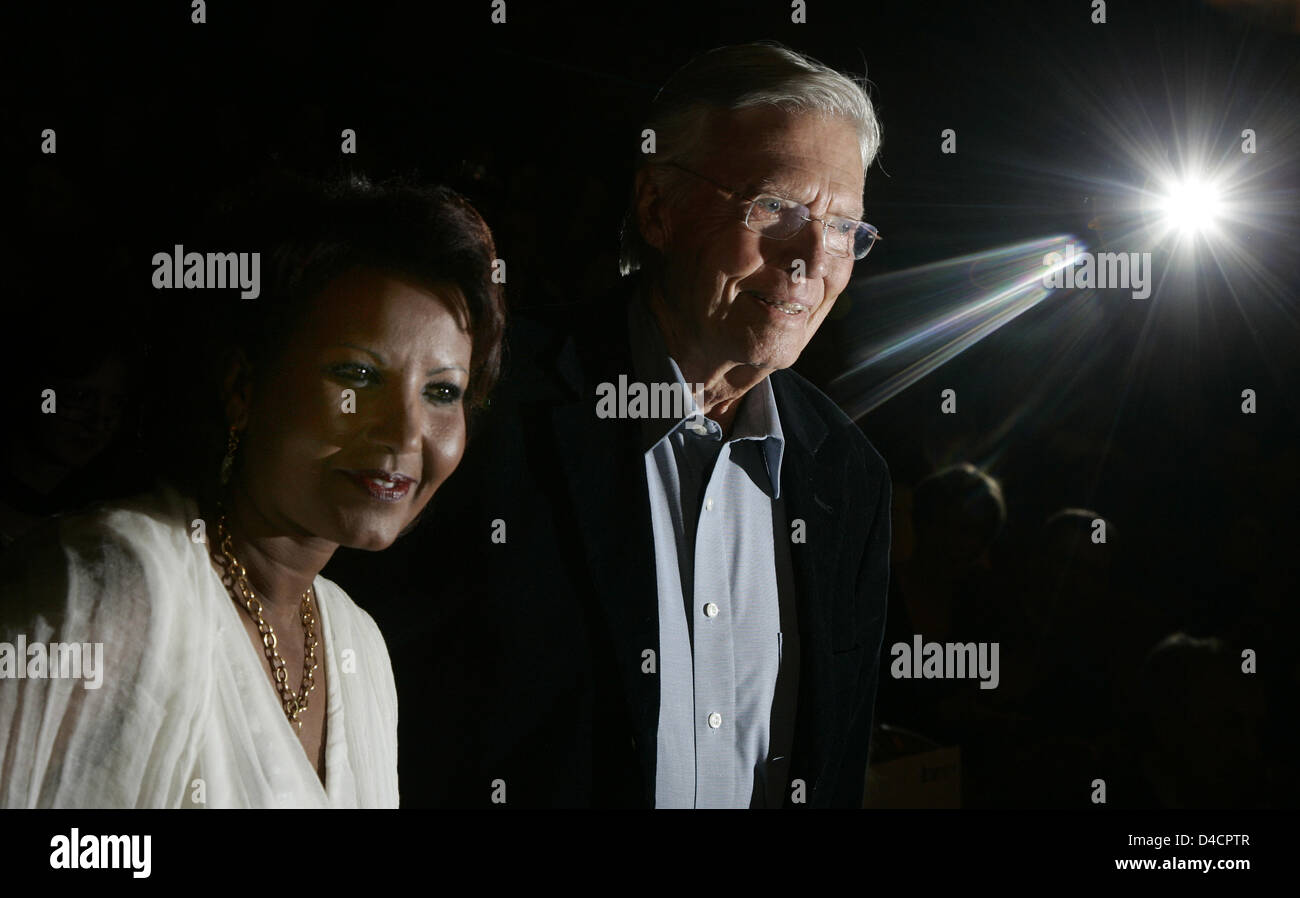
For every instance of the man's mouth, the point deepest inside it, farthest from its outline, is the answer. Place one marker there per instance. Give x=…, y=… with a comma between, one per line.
x=789, y=308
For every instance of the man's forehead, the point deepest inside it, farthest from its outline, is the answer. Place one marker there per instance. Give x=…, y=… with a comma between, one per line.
x=774, y=149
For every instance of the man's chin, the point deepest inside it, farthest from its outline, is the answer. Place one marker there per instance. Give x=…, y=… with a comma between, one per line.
x=769, y=356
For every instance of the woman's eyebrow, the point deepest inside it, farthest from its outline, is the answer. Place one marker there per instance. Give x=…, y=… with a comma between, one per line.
x=380, y=359
x=370, y=352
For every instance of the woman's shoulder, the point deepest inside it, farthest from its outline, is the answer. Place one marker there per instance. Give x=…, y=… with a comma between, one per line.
x=160, y=513
x=109, y=591
x=112, y=551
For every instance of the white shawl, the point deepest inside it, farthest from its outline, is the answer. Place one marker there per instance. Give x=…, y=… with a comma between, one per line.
x=184, y=716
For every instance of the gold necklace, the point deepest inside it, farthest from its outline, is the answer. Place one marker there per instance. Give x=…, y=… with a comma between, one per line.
x=235, y=579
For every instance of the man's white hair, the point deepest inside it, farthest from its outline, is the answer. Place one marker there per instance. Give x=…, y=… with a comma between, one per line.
x=739, y=77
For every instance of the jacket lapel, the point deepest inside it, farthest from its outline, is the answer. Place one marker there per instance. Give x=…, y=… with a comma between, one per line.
x=811, y=493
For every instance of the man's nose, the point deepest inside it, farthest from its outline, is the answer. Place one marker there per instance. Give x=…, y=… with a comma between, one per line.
x=809, y=246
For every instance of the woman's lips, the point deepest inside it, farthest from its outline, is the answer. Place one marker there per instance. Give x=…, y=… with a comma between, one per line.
x=382, y=485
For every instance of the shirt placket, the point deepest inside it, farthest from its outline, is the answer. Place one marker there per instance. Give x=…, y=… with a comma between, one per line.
x=714, y=647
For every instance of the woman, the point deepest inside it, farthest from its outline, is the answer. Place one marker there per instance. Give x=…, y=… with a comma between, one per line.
x=218, y=668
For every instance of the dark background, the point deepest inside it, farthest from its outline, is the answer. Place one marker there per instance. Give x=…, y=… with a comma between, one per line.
x=1127, y=408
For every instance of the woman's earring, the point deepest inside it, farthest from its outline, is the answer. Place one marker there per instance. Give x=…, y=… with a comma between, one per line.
x=228, y=462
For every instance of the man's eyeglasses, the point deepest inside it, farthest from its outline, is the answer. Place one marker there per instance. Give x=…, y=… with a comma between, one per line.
x=780, y=219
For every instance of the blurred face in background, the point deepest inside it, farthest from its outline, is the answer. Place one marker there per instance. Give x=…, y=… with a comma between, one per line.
x=88, y=416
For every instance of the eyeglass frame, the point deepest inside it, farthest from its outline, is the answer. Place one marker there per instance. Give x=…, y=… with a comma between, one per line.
x=735, y=194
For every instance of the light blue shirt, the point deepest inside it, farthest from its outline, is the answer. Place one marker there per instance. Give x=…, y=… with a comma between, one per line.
x=728, y=642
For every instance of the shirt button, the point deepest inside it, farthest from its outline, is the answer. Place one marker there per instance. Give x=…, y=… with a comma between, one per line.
x=715, y=720
x=708, y=505
x=710, y=610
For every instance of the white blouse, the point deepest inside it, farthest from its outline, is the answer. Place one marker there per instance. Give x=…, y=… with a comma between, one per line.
x=180, y=712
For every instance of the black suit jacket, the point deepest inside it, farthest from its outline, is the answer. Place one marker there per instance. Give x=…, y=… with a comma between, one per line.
x=520, y=663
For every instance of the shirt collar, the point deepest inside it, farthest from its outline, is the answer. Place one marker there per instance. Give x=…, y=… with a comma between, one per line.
x=756, y=418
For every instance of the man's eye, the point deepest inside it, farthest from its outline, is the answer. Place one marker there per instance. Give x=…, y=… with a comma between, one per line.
x=359, y=374
x=768, y=205
x=443, y=394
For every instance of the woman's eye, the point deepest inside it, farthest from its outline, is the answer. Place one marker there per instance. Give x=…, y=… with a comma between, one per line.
x=443, y=393
x=355, y=373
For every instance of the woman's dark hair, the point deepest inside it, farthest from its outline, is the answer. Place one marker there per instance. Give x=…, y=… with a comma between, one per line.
x=309, y=233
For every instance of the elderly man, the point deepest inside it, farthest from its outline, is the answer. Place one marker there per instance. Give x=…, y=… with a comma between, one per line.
x=643, y=605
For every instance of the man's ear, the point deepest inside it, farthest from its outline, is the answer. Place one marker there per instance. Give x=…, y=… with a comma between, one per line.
x=651, y=210
x=236, y=388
